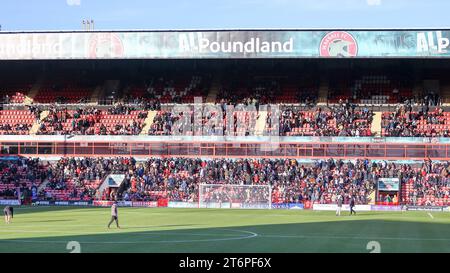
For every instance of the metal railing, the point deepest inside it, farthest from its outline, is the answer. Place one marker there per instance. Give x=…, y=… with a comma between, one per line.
x=228, y=149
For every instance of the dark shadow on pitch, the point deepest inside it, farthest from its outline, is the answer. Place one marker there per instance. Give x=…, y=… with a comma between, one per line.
x=51, y=220
x=329, y=237
x=157, y=226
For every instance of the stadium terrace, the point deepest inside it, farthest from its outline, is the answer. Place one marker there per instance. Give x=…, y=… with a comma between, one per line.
x=234, y=119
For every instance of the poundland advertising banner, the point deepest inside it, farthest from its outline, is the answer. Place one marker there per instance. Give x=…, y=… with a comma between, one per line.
x=225, y=44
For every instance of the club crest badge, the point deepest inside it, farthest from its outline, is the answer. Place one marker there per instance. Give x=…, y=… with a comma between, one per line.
x=338, y=44
x=106, y=45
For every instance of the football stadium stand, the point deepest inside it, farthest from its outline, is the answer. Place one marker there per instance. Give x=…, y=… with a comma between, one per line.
x=309, y=124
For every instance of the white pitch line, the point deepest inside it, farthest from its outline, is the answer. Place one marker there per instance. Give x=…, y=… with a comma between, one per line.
x=352, y=237
x=80, y=225
x=429, y=214
x=251, y=235
x=115, y=231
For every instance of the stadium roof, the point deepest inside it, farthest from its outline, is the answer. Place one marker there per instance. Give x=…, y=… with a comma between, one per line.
x=229, y=29
x=226, y=44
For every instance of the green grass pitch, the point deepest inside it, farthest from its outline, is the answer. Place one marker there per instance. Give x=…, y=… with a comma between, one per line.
x=49, y=229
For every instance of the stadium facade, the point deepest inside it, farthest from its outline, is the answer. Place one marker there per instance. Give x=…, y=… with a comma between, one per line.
x=364, y=43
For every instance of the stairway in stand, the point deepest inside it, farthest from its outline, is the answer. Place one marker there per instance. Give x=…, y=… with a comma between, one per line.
x=35, y=128
x=148, y=122
x=376, y=124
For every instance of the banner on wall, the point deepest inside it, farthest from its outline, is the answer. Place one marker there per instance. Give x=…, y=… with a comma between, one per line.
x=224, y=44
x=146, y=204
x=175, y=204
x=62, y=203
x=345, y=207
x=385, y=208
x=97, y=203
x=288, y=206
x=9, y=202
x=424, y=208
x=103, y=203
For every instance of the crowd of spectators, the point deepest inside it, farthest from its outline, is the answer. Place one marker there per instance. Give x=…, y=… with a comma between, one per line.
x=89, y=121
x=79, y=174
x=150, y=103
x=429, y=182
x=21, y=176
x=120, y=109
x=256, y=92
x=35, y=110
x=81, y=121
x=132, y=128
x=163, y=122
x=23, y=169
x=16, y=129
x=405, y=122
x=178, y=179
x=307, y=97
x=340, y=120
x=205, y=123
